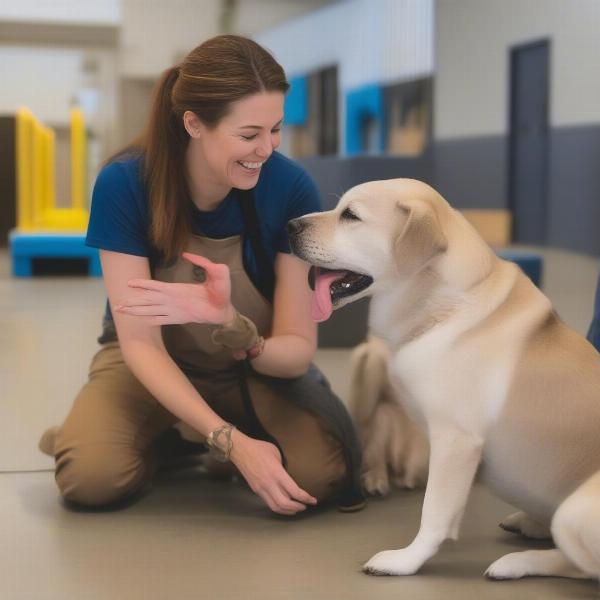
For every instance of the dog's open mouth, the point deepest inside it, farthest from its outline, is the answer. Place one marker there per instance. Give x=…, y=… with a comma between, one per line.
x=331, y=286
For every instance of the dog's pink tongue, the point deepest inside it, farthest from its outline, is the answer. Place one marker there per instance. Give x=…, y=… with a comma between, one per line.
x=322, y=308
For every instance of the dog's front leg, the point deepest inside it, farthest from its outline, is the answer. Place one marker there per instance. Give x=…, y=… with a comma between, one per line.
x=453, y=462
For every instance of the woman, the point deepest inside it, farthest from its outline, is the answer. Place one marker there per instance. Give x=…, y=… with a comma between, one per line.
x=219, y=337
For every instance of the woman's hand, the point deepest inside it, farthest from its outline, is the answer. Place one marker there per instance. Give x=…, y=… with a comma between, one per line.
x=179, y=303
x=260, y=464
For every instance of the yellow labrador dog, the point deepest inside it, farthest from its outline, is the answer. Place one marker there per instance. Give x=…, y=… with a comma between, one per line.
x=484, y=364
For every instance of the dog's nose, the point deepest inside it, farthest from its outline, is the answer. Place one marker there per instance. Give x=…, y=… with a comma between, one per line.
x=295, y=226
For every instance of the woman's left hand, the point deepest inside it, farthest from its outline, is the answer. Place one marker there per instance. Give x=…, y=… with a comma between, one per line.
x=179, y=303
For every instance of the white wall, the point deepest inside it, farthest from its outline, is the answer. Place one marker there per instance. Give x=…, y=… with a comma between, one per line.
x=473, y=39
x=44, y=81
x=370, y=40
x=253, y=16
x=50, y=80
x=62, y=11
x=156, y=34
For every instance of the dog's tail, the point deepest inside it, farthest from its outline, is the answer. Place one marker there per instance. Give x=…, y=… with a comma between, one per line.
x=370, y=382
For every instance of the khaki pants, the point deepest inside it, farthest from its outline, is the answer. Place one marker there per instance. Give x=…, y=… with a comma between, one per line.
x=104, y=451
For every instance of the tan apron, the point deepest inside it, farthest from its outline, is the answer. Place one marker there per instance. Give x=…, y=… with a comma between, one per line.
x=191, y=345
x=211, y=367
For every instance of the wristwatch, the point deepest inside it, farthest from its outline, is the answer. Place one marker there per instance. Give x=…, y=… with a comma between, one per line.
x=219, y=442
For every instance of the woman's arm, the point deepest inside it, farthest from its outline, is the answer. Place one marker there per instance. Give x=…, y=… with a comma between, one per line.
x=145, y=354
x=144, y=351
x=293, y=342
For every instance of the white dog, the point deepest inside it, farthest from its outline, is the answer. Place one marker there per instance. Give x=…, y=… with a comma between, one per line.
x=485, y=367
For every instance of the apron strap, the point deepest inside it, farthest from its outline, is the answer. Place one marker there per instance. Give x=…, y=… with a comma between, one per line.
x=252, y=227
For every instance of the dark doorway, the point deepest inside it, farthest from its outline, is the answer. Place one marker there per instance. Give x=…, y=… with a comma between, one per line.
x=8, y=178
x=328, y=130
x=528, y=147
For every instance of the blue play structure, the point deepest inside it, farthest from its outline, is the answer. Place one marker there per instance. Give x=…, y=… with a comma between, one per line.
x=44, y=230
x=26, y=247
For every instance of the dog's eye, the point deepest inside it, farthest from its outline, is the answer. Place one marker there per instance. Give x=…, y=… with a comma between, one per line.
x=349, y=215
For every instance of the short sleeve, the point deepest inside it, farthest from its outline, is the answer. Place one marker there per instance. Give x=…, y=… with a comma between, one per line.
x=304, y=199
x=117, y=222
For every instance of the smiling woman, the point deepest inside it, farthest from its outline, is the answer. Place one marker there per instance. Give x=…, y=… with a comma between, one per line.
x=224, y=157
x=210, y=320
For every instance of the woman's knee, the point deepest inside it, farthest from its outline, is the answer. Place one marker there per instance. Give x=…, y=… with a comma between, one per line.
x=94, y=475
x=322, y=479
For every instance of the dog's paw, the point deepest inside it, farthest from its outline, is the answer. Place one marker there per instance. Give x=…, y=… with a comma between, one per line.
x=409, y=481
x=544, y=563
x=522, y=524
x=393, y=562
x=376, y=483
x=510, y=566
x=401, y=482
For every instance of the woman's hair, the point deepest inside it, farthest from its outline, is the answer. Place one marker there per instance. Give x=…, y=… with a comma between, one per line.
x=222, y=70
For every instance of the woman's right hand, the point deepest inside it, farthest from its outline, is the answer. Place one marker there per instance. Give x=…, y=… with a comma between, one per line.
x=167, y=303
x=260, y=464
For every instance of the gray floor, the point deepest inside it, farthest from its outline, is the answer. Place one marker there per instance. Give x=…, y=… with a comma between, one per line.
x=194, y=538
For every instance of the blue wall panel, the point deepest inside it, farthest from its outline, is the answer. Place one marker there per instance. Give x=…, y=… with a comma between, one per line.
x=296, y=102
x=363, y=104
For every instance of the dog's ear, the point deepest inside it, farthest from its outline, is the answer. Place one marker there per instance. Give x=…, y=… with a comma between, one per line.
x=420, y=237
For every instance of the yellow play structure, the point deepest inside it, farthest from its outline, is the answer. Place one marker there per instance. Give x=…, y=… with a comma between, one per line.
x=43, y=230
x=36, y=195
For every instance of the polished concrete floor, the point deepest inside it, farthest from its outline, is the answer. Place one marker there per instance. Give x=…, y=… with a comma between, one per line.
x=195, y=538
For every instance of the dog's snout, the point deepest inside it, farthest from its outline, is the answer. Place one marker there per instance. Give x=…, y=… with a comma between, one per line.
x=295, y=226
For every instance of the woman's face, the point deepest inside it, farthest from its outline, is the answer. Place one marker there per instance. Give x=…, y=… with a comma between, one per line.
x=232, y=154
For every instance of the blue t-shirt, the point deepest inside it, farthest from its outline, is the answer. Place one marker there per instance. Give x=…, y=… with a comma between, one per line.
x=120, y=220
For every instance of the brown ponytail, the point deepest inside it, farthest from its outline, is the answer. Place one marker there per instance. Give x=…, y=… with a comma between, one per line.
x=163, y=145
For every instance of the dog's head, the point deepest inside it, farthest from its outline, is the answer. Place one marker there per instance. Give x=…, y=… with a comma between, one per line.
x=379, y=232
